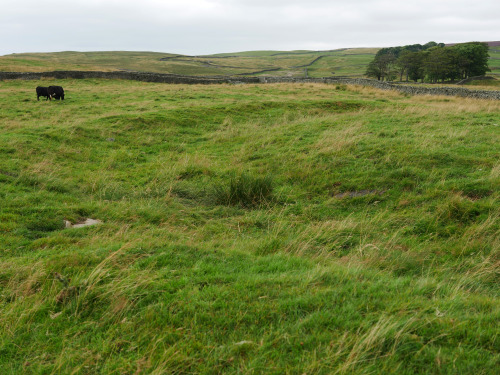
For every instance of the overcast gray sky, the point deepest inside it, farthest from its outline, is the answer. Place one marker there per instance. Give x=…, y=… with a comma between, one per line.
x=211, y=26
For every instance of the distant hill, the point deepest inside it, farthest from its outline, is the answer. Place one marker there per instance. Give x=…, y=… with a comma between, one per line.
x=344, y=62
x=490, y=44
x=349, y=62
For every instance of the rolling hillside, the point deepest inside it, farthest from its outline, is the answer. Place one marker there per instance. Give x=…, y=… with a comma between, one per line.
x=284, y=228
x=344, y=62
x=494, y=61
x=247, y=229
x=349, y=62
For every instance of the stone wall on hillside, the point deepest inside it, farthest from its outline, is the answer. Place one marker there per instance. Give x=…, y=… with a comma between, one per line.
x=136, y=76
x=179, y=79
x=421, y=90
x=404, y=88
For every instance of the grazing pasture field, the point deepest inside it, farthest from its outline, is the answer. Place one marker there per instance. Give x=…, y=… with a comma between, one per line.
x=281, y=229
x=342, y=62
x=494, y=62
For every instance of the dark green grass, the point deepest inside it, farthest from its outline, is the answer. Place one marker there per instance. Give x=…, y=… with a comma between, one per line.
x=245, y=190
x=247, y=229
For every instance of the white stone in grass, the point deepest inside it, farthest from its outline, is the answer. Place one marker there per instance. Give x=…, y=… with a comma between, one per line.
x=86, y=223
x=244, y=342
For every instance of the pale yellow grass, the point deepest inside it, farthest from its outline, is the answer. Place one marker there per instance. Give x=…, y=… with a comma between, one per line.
x=341, y=140
x=477, y=275
x=307, y=241
x=483, y=229
x=45, y=166
x=374, y=92
x=24, y=289
x=450, y=104
x=373, y=344
x=495, y=171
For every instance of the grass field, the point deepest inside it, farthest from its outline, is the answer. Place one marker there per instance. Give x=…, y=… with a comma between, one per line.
x=494, y=62
x=342, y=62
x=351, y=62
x=278, y=229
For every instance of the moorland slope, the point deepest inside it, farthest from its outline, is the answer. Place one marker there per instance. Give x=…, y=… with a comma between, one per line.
x=280, y=228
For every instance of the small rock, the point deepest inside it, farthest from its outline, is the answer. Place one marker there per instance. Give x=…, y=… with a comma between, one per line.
x=86, y=223
x=244, y=342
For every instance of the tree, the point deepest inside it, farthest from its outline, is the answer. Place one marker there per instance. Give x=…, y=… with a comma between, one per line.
x=403, y=63
x=373, y=70
x=415, y=70
x=439, y=64
x=391, y=61
x=432, y=60
x=472, y=59
x=381, y=67
x=428, y=45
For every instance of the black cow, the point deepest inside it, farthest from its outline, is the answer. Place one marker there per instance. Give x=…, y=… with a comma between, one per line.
x=42, y=91
x=55, y=92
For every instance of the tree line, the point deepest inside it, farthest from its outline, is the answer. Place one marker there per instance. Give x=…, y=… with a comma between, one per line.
x=431, y=62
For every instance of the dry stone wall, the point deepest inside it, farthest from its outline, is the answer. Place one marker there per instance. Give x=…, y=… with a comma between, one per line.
x=404, y=88
x=179, y=79
x=136, y=76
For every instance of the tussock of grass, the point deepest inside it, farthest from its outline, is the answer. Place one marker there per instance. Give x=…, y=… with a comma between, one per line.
x=245, y=190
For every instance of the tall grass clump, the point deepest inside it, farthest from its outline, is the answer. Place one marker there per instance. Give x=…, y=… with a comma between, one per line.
x=245, y=190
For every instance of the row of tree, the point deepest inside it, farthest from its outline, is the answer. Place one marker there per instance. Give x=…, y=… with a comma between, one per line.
x=431, y=62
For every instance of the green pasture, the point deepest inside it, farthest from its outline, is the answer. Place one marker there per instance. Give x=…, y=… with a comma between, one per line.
x=345, y=62
x=351, y=62
x=247, y=229
x=494, y=62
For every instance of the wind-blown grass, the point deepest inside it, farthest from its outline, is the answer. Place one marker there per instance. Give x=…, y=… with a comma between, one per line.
x=373, y=249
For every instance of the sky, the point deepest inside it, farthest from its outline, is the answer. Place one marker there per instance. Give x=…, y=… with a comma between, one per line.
x=196, y=27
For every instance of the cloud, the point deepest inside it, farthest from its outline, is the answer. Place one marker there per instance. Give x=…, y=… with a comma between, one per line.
x=209, y=26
